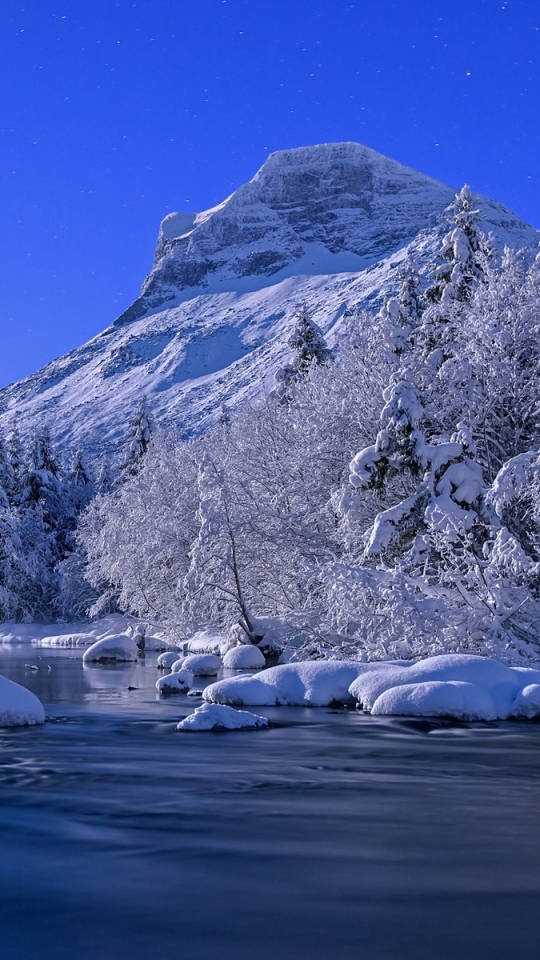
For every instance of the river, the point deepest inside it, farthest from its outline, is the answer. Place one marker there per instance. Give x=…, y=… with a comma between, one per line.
x=330, y=835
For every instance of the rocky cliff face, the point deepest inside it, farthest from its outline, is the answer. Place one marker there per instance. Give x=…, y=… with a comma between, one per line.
x=325, y=225
x=342, y=197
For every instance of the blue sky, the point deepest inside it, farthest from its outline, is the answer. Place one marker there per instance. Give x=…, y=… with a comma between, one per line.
x=115, y=113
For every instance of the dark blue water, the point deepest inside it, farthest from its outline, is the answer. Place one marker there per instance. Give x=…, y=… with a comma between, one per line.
x=331, y=835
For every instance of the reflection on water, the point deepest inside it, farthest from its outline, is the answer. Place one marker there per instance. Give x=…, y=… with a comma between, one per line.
x=329, y=835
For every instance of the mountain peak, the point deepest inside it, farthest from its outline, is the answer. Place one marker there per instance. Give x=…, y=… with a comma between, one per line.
x=327, y=226
x=325, y=201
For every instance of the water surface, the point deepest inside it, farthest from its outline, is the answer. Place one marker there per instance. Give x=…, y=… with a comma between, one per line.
x=331, y=835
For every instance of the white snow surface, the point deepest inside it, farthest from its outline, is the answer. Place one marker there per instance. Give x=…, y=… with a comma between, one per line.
x=202, y=665
x=328, y=226
x=19, y=707
x=121, y=648
x=179, y=682
x=244, y=657
x=455, y=685
x=213, y=716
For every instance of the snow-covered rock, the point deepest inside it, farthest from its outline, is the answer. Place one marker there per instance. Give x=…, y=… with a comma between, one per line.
x=178, y=664
x=245, y=657
x=213, y=716
x=454, y=685
x=152, y=643
x=327, y=226
x=203, y=664
x=308, y=684
x=19, y=707
x=527, y=703
x=448, y=698
x=179, y=682
x=502, y=683
x=166, y=660
x=121, y=648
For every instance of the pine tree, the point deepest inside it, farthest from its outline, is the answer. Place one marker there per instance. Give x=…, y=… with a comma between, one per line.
x=16, y=455
x=308, y=342
x=400, y=316
x=43, y=485
x=464, y=256
x=138, y=439
x=400, y=445
x=310, y=350
x=463, y=253
x=79, y=482
x=104, y=480
x=6, y=471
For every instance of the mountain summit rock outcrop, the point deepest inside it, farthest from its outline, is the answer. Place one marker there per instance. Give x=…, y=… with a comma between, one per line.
x=334, y=198
x=326, y=226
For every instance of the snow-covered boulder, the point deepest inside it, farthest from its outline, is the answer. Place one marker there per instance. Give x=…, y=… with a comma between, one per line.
x=213, y=716
x=307, y=684
x=455, y=685
x=153, y=643
x=203, y=665
x=179, y=682
x=448, y=698
x=166, y=660
x=19, y=707
x=112, y=649
x=178, y=664
x=245, y=657
x=527, y=703
x=502, y=683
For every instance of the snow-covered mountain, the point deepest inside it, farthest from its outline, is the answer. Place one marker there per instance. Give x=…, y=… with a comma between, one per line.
x=326, y=226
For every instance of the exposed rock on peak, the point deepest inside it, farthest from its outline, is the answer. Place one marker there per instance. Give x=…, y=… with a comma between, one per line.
x=342, y=197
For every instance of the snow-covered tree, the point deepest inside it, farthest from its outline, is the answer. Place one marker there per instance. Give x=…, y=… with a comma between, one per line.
x=463, y=259
x=136, y=539
x=137, y=441
x=79, y=482
x=463, y=254
x=105, y=478
x=310, y=350
x=16, y=459
x=401, y=315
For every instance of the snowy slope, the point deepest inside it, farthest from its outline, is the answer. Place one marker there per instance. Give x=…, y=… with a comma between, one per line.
x=325, y=225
